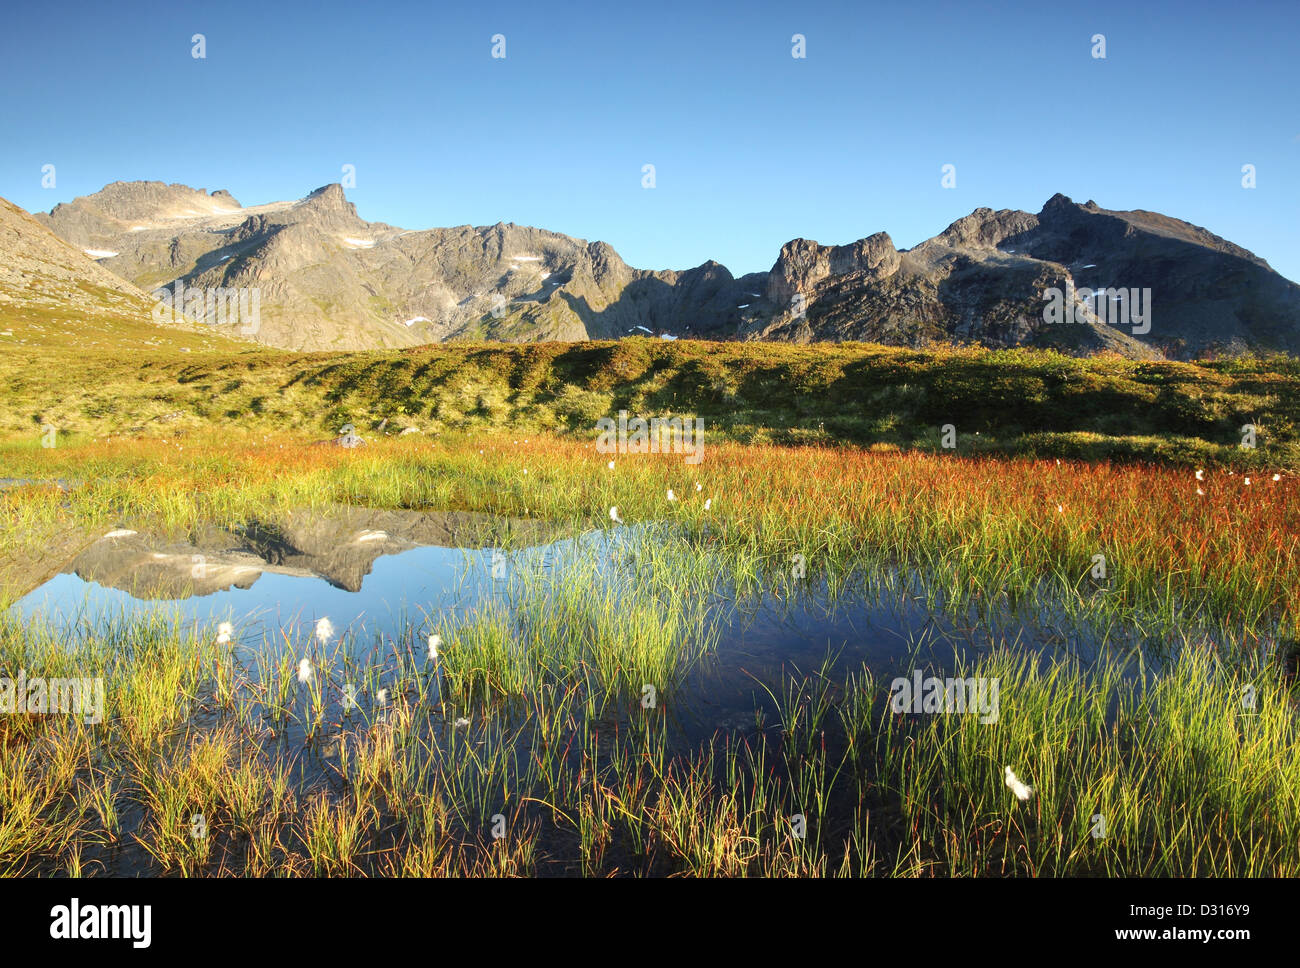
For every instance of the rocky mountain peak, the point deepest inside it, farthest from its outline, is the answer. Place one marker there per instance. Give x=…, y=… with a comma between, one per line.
x=604, y=259
x=1057, y=203
x=713, y=269
x=985, y=228
x=330, y=197
x=804, y=263
x=152, y=200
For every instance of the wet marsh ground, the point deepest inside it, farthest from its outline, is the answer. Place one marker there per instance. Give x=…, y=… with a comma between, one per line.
x=709, y=688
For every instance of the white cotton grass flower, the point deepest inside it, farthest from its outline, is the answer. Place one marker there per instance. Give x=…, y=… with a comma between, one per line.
x=613, y=515
x=708, y=504
x=1277, y=477
x=1022, y=790
x=224, y=632
x=304, y=670
x=610, y=465
x=324, y=629
x=1060, y=509
x=1200, y=492
x=671, y=495
x=434, y=642
x=1248, y=481
x=381, y=697
x=1200, y=475
x=698, y=487
x=461, y=721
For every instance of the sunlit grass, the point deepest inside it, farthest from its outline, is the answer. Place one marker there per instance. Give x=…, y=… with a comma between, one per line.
x=533, y=745
x=989, y=527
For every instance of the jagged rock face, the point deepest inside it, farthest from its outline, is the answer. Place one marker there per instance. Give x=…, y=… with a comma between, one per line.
x=982, y=280
x=327, y=279
x=985, y=228
x=1206, y=292
x=803, y=265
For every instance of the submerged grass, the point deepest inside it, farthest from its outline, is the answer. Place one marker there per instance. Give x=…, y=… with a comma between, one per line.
x=1170, y=776
x=545, y=738
x=527, y=747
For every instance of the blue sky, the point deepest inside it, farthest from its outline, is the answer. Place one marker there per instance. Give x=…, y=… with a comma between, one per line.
x=751, y=146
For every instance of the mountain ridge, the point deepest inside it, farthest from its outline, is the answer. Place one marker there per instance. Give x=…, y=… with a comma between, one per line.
x=53, y=293
x=331, y=280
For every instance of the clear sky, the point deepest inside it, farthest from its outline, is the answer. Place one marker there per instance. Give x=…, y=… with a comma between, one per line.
x=751, y=146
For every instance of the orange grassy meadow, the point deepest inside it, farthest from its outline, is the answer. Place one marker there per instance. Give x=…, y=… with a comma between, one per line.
x=1225, y=548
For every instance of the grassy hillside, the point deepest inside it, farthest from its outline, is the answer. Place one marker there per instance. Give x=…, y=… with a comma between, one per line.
x=154, y=381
